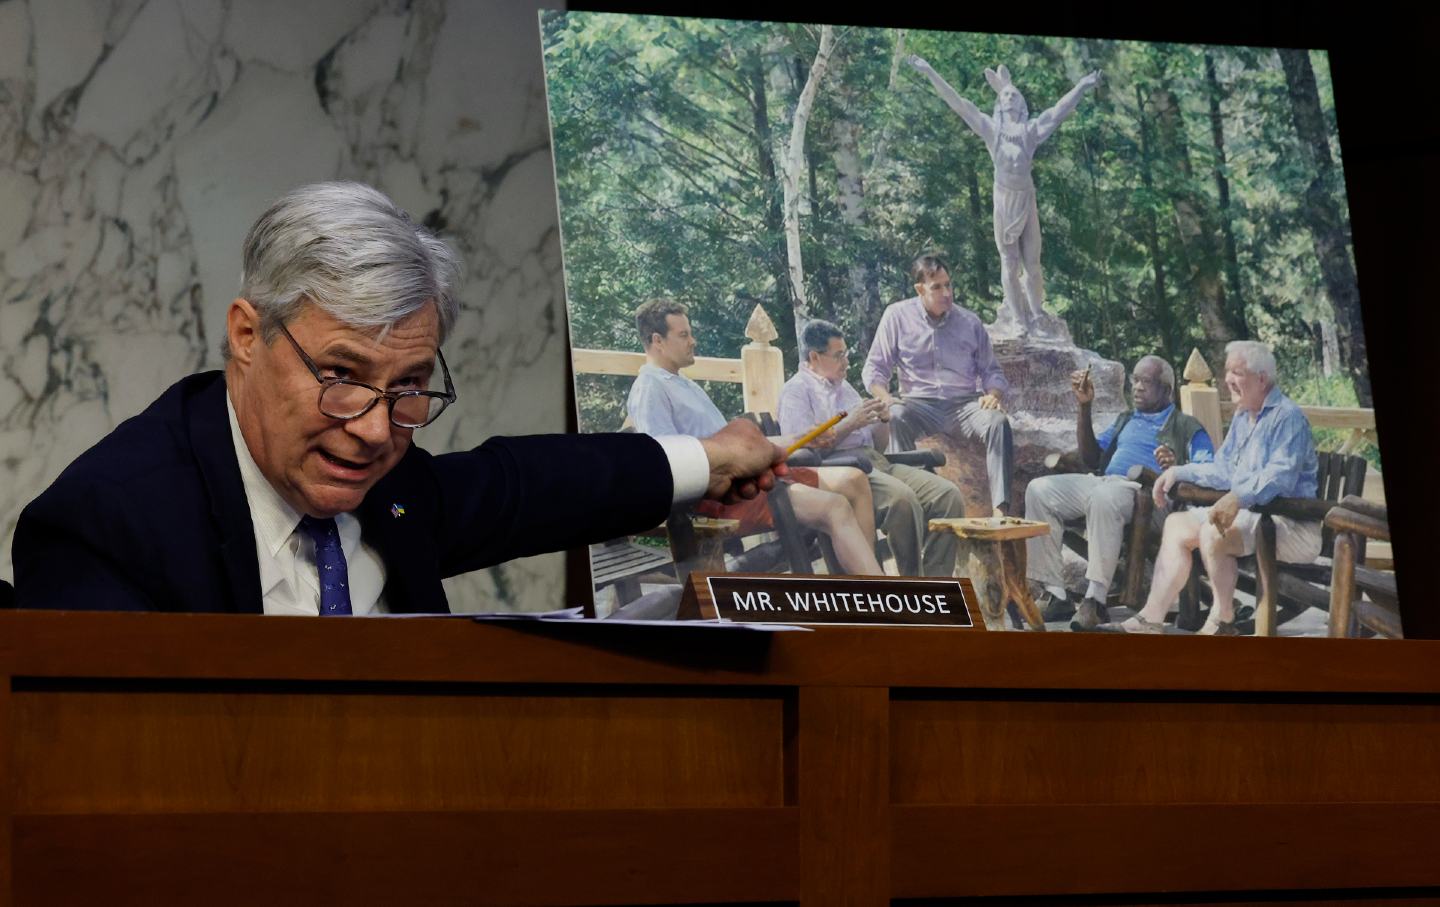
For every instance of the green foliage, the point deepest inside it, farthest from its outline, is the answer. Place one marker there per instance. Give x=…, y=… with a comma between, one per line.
x=668, y=134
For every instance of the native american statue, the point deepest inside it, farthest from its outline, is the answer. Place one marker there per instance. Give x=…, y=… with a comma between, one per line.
x=1012, y=139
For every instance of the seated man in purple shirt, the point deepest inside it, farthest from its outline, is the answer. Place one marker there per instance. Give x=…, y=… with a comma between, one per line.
x=1154, y=434
x=950, y=382
x=906, y=498
x=1268, y=452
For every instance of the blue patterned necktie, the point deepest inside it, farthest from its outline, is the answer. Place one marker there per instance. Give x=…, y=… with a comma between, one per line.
x=330, y=561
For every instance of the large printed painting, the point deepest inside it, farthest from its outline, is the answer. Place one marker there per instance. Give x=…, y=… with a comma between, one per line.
x=1100, y=294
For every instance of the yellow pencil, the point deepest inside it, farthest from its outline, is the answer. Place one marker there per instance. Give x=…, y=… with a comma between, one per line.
x=816, y=432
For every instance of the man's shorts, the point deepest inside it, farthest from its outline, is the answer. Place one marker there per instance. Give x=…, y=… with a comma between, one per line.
x=1296, y=541
x=754, y=515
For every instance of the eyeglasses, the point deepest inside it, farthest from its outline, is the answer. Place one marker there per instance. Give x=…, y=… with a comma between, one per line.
x=838, y=354
x=342, y=398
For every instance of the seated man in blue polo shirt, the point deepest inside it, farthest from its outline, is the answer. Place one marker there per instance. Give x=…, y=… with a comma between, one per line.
x=1154, y=434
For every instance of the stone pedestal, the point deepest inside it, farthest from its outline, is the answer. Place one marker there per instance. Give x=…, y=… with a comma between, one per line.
x=1042, y=412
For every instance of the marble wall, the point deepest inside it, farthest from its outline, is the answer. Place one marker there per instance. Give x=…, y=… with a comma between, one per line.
x=140, y=138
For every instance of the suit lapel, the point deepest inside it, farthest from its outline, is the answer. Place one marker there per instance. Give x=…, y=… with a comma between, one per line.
x=215, y=455
x=396, y=526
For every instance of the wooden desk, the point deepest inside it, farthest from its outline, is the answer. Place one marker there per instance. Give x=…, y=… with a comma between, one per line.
x=153, y=759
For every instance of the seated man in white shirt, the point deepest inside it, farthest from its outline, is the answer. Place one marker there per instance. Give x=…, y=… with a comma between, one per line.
x=832, y=500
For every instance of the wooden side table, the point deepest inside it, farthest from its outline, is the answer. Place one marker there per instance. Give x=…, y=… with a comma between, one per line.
x=992, y=554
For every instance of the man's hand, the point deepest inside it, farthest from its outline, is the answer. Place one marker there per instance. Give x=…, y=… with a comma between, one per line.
x=1164, y=456
x=743, y=462
x=1083, y=387
x=1161, y=490
x=991, y=401
x=1090, y=80
x=1223, y=513
x=919, y=63
x=882, y=396
x=867, y=413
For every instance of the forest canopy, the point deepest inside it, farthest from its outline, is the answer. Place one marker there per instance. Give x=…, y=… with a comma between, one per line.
x=1195, y=196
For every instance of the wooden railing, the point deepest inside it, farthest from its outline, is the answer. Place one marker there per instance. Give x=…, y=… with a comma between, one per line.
x=760, y=370
x=1201, y=399
x=618, y=362
x=1358, y=420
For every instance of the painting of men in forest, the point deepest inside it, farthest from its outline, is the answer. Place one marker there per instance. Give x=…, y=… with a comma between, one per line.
x=1191, y=196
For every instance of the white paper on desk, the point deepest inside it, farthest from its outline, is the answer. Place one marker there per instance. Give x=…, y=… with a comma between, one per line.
x=576, y=613
x=706, y=625
x=576, y=616
x=573, y=615
x=564, y=614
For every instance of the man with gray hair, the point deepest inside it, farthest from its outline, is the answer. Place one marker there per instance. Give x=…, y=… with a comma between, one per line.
x=1268, y=452
x=1154, y=434
x=287, y=483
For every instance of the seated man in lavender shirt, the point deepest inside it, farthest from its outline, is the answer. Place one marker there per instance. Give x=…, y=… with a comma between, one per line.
x=950, y=382
x=1268, y=452
x=906, y=498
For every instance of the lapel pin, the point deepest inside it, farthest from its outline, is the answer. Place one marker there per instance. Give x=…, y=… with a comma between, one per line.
x=397, y=510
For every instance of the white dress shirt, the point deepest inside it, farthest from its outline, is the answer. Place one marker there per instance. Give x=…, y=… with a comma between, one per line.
x=289, y=579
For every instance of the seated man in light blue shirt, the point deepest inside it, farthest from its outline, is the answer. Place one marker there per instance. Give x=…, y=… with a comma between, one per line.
x=1154, y=434
x=832, y=500
x=1268, y=452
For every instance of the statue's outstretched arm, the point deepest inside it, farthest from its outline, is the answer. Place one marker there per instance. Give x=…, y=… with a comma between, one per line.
x=979, y=122
x=1048, y=121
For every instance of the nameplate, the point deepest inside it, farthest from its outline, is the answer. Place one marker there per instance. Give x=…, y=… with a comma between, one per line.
x=852, y=600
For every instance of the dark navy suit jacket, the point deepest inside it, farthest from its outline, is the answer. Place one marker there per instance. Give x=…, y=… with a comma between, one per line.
x=154, y=517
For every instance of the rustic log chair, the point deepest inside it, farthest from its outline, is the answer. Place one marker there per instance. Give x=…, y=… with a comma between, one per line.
x=699, y=543
x=702, y=543
x=1353, y=522
x=795, y=546
x=1148, y=539
x=1281, y=590
x=693, y=543
x=927, y=459
x=1132, y=582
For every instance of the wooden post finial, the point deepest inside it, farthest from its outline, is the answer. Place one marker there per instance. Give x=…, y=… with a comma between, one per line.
x=762, y=367
x=1200, y=398
x=1197, y=370
x=760, y=329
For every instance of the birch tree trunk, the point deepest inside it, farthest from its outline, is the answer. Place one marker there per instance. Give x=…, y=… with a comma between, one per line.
x=793, y=171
